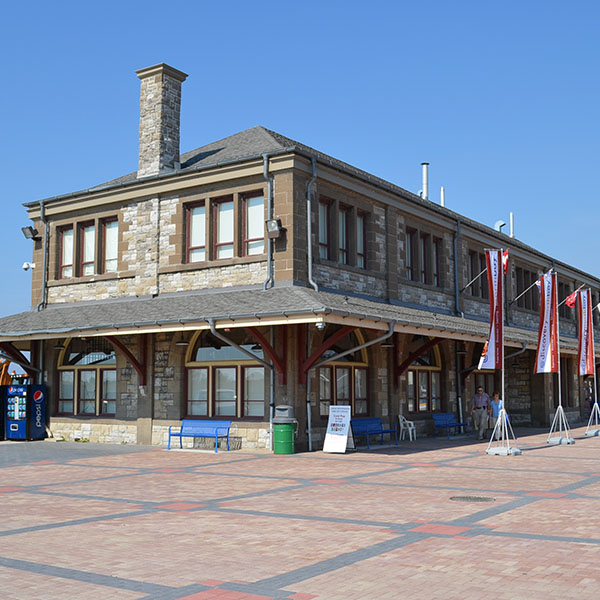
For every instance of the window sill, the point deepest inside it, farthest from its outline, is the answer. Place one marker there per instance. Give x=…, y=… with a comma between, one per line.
x=351, y=268
x=213, y=264
x=91, y=278
x=428, y=286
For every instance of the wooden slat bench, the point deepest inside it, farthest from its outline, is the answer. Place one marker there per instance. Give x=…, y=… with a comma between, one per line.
x=367, y=426
x=447, y=421
x=200, y=429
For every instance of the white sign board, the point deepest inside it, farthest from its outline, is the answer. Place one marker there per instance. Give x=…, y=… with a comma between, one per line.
x=339, y=434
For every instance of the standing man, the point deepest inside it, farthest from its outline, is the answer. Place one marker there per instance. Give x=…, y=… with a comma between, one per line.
x=480, y=407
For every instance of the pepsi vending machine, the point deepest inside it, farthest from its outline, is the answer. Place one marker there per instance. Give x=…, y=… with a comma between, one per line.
x=24, y=412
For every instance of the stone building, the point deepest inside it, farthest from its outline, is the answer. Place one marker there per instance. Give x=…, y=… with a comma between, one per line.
x=257, y=271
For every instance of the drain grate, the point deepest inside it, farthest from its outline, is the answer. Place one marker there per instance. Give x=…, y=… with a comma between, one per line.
x=472, y=499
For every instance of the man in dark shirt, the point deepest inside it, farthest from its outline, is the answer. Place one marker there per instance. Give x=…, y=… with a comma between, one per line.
x=480, y=408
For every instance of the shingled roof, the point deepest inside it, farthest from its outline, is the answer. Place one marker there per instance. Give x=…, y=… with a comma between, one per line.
x=136, y=315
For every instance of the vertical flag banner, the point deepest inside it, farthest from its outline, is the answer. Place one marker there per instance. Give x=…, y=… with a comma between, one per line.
x=585, y=349
x=492, y=356
x=546, y=359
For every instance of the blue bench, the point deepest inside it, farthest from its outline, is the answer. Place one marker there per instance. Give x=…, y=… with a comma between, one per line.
x=447, y=421
x=367, y=426
x=200, y=429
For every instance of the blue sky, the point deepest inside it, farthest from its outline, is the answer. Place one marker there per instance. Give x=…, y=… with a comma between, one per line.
x=501, y=99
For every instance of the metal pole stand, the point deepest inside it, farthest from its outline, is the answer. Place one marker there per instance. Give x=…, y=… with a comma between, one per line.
x=593, y=426
x=560, y=426
x=501, y=435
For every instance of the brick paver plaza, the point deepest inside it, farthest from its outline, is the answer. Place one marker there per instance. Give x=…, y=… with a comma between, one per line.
x=123, y=522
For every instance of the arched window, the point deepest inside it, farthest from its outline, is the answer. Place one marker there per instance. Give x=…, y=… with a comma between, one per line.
x=222, y=381
x=424, y=378
x=87, y=378
x=344, y=382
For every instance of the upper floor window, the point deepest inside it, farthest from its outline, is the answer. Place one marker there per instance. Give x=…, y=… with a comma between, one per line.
x=81, y=252
x=421, y=257
x=342, y=233
x=436, y=247
x=564, y=290
x=411, y=238
x=525, y=279
x=361, y=240
x=87, y=245
x=196, y=238
x=254, y=225
x=477, y=265
x=343, y=222
x=224, y=228
x=324, y=229
x=65, y=267
x=110, y=243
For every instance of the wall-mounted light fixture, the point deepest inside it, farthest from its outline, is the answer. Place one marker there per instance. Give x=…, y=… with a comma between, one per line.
x=31, y=233
x=28, y=265
x=274, y=228
x=59, y=345
x=180, y=340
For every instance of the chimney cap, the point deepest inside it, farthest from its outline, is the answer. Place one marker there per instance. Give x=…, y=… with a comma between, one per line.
x=162, y=68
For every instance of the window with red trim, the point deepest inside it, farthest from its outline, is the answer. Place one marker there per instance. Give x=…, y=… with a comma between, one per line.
x=224, y=228
x=343, y=226
x=324, y=229
x=253, y=226
x=87, y=249
x=196, y=232
x=65, y=253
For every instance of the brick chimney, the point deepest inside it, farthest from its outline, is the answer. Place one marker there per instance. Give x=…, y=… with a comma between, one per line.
x=160, y=107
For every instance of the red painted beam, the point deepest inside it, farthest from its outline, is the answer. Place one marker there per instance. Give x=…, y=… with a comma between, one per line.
x=139, y=366
x=269, y=350
x=419, y=352
x=14, y=353
x=330, y=341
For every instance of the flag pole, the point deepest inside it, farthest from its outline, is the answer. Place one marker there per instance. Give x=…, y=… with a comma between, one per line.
x=473, y=280
x=593, y=426
x=560, y=424
x=525, y=291
x=503, y=430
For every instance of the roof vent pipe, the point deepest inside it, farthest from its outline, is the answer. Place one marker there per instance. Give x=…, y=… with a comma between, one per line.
x=442, y=196
x=425, y=189
x=512, y=224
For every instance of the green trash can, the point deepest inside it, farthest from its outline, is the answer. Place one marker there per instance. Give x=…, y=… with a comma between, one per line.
x=284, y=430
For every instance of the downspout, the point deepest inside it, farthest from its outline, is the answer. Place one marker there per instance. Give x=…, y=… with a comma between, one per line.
x=458, y=312
x=42, y=304
x=457, y=236
x=381, y=338
x=269, y=179
x=220, y=336
x=309, y=226
x=44, y=300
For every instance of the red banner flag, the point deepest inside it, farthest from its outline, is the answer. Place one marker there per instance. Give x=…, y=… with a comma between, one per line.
x=505, y=261
x=492, y=356
x=585, y=348
x=570, y=300
x=546, y=359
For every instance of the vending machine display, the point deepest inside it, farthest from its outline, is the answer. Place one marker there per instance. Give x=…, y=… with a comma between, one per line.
x=25, y=412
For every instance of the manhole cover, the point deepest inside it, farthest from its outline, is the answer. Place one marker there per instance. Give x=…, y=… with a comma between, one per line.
x=472, y=499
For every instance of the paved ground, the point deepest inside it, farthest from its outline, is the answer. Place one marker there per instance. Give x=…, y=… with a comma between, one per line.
x=121, y=522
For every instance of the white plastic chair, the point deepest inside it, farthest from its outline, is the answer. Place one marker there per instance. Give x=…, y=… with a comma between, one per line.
x=407, y=426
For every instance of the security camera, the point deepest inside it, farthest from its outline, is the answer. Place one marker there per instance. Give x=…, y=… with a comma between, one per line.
x=320, y=325
x=28, y=265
